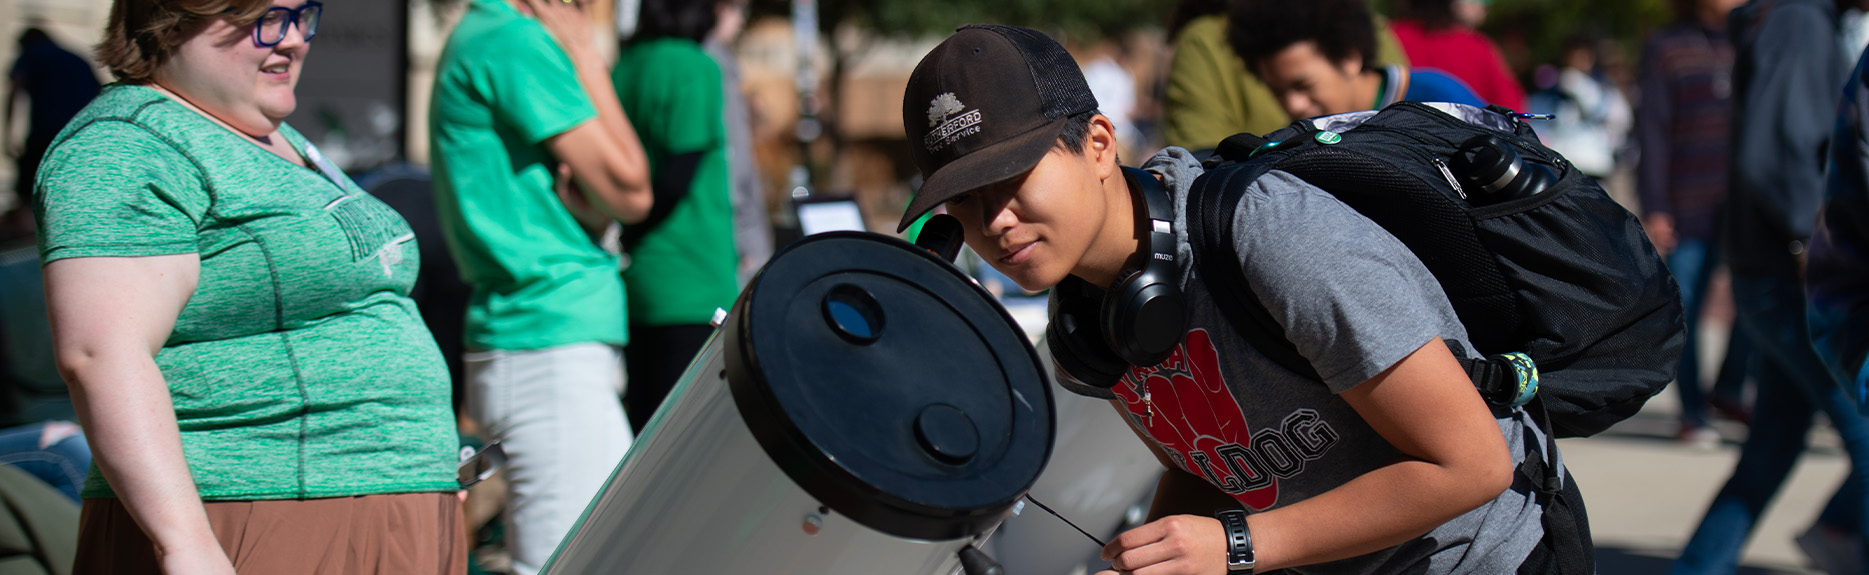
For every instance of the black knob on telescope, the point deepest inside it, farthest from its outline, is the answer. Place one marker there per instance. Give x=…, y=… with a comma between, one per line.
x=941, y=235
x=973, y=561
x=1490, y=171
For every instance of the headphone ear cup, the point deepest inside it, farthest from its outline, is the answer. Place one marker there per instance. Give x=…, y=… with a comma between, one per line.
x=1146, y=322
x=1145, y=315
x=1076, y=341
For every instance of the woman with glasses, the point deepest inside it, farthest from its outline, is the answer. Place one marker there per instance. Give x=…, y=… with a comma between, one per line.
x=232, y=315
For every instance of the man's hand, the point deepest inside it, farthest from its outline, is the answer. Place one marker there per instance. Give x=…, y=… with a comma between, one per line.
x=1172, y=545
x=593, y=220
x=567, y=23
x=1660, y=228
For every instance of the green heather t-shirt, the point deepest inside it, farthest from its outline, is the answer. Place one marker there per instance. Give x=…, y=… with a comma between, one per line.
x=503, y=87
x=299, y=368
x=683, y=269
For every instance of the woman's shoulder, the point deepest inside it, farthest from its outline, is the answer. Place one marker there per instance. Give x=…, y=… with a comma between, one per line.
x=124, y=116
x=116, y=102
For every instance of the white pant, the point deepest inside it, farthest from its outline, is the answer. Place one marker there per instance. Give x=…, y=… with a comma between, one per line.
x=556, y=413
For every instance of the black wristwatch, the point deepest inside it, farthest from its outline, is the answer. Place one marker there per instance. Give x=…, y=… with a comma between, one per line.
x=1240, y=558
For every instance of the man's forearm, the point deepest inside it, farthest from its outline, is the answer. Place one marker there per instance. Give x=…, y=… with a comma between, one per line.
x=620, y=187
x=594, y=76
x=1181, y=493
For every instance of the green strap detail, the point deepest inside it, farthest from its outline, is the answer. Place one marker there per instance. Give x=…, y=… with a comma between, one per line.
x=1526, y=372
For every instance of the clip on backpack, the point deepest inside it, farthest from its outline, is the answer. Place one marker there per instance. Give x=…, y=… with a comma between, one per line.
x=1555, y=282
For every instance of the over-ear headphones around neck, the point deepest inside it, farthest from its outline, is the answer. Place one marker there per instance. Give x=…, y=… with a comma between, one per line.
x=1095, y=334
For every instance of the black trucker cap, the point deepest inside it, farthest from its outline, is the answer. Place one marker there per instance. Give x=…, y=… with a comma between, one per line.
x=984, y=106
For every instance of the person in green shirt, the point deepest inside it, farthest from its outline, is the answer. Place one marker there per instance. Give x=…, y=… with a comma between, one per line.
x=1211, y=94
x=232, y=315
x=682, y=261
x=531, y=154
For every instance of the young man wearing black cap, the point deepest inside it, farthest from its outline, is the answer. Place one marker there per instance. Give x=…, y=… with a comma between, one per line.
x=1388, y=463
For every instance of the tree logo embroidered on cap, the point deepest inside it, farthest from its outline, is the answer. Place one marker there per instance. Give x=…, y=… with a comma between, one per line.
x=947, y=126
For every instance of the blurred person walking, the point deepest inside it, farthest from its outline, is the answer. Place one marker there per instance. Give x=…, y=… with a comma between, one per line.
x=1436, y=36
x=1683, y=121
x=1593, y=117
x=752, y=222
x=682, y=261
x=232, y=314
x=1115, y=88
x=1787, y=76
x=56, y=84
x=532, y=157
x=1839, y=258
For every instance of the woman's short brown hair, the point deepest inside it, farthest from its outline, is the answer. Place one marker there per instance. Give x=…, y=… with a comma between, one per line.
x=142, y=34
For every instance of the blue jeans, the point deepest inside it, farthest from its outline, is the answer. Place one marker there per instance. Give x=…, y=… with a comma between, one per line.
x=1793, y=386
x=62, y=464
x=1692, y=262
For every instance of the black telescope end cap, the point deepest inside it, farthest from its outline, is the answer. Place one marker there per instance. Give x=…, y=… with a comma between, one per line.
x=889, y=386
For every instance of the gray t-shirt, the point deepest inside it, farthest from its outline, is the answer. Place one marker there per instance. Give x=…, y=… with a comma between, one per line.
x=1355, y=301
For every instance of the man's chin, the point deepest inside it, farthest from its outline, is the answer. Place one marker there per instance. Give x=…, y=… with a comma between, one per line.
x=1035, y=282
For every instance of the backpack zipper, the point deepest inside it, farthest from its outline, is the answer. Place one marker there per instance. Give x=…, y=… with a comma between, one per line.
x=1451, y=181
x=1442, y=118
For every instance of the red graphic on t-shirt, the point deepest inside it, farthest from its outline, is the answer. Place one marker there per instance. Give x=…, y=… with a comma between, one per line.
x=1197, y=420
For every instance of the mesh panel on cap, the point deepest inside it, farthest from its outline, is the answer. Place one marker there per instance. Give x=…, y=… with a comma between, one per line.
x=1060, y=84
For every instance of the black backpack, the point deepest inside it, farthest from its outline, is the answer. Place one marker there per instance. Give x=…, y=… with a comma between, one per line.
x=1566, y=276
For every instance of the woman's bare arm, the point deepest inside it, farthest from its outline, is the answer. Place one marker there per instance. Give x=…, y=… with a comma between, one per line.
x=110, y=316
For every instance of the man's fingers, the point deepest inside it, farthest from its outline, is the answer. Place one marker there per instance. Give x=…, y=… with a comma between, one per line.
x=1135, y=560
x=1132, y=539
x=563, y=184
x=549, y=8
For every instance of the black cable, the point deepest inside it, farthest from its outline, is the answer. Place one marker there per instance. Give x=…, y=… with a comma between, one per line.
x=1100, y=543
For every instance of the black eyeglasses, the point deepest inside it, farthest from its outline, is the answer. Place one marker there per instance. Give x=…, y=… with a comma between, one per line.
x=277, y=21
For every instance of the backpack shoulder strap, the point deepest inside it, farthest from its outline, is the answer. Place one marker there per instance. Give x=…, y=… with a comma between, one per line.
x=1211, y=205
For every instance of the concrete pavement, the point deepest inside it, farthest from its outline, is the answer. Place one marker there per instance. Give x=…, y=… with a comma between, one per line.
x=1646, y=492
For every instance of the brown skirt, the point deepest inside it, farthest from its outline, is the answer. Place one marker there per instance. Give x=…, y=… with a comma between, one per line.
x=372, y=534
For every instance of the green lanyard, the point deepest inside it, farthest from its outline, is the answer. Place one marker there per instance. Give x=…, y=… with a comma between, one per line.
x=1382, y=89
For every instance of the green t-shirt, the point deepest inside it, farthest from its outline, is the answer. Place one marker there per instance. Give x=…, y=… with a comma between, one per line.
x=502, y=88
x=299, y=367
x=682, y=269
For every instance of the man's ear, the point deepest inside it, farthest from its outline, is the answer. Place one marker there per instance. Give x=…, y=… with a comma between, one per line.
x=1100, y=147
x=1352, y=66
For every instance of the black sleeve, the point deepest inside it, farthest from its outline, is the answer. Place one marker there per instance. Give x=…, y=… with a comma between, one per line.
x=670, y=186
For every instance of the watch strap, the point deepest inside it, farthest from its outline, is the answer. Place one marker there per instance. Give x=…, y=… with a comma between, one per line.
x=1240, y=557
